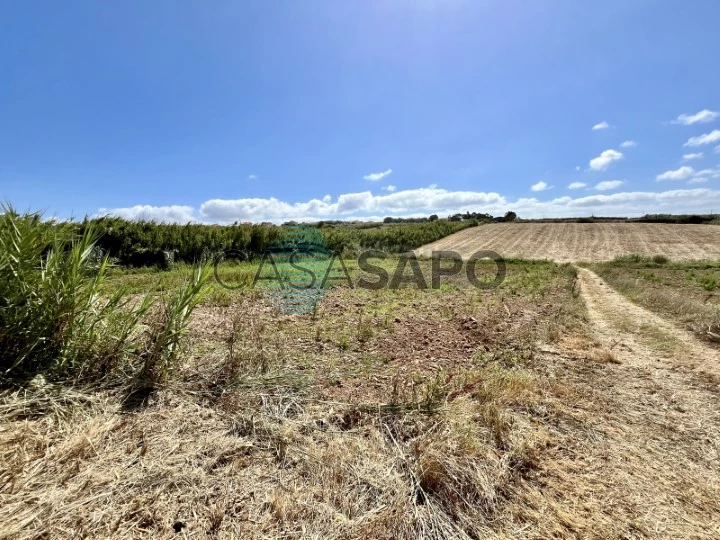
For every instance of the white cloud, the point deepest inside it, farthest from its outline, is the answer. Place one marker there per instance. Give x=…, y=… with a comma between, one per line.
x=707, y=138
x=540, y=186
x=577, y=167
x=603, y=161
x=628, y=144
x=577, y=185
x=389, y=188
x=608, y=185
x=688, y=157
x=145, y=212
x=327, y=199
x=697, y=118
x=601, y=125
x=710, y=173
x=690, y=174
x=683, y=173
x=424, y=201
x=374, y=177
x=252, y=177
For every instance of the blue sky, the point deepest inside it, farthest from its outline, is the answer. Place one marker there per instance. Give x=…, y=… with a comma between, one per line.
x=252, y=111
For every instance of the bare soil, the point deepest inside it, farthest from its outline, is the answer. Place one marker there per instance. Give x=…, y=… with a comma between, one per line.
x=588, y=242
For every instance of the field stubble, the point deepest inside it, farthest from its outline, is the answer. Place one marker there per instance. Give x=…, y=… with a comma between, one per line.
x=587, y=242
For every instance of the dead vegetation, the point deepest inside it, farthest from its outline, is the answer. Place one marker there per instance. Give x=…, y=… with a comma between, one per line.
x=684, y=292
x=384, y=414
x=590, y=242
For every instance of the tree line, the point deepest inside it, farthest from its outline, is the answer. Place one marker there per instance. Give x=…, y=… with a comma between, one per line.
x=148, y=243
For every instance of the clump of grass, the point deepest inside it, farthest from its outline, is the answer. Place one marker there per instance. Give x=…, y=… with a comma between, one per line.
x=631, y=258
x=709, y=283
x=53, y=317
x=604, y=356
x=59, y=319
x=169, y=327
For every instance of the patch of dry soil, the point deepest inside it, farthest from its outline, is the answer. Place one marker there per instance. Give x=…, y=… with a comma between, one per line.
x=588, y=242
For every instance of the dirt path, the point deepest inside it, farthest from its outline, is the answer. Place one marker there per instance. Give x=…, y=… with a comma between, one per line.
x=645, y=463
x=640, y=337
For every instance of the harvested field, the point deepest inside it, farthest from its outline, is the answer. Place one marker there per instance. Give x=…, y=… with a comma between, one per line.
x=590, y=242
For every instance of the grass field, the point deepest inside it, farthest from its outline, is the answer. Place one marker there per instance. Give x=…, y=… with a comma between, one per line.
x=589, y=242
x=386, y=413
x=548, y=407
x=684, y=292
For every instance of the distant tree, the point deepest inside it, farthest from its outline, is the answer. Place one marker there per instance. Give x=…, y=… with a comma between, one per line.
x=433, y=217
x=388, y=220
x=510, y=216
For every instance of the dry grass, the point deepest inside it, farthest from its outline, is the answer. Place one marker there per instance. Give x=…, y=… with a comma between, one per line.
x=592, y=242
x=279, y=468
x=394, y=414
x=683, y=292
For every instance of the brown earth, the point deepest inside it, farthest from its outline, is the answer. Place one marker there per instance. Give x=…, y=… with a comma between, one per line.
x=589, y=242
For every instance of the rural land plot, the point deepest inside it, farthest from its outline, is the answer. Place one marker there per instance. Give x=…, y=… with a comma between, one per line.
x=588, y=242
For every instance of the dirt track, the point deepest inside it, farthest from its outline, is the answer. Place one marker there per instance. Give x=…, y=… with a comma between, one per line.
x=590, y=242
x=650, y=457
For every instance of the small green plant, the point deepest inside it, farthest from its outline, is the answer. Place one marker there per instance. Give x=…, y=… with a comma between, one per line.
x=364, y=329
x=169, y=327
x=709, y=283
x=632, y=258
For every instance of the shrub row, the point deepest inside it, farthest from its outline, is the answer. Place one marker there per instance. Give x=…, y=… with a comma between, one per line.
x=147, y=243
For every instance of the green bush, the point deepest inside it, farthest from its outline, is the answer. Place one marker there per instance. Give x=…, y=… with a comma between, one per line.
x=160, y=245
x=392, y=238
x=54, y=319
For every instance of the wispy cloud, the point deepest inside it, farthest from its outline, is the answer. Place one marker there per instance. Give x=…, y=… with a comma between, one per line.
x=374, y=177
x=540, y=186
x=707, y=138
x=389, y=188
x=628, y=144
x=603, y=161
x=683, y=173
x=691, y=175
x=252, y=177
x=609, y=184
x=701, y=117
x=708, y=173
x=601, y=125
x=577, y=185
x=689, y=157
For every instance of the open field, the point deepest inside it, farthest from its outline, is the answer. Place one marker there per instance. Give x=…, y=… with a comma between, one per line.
x=138, y=403
x=590, y=242
x=527, y=411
